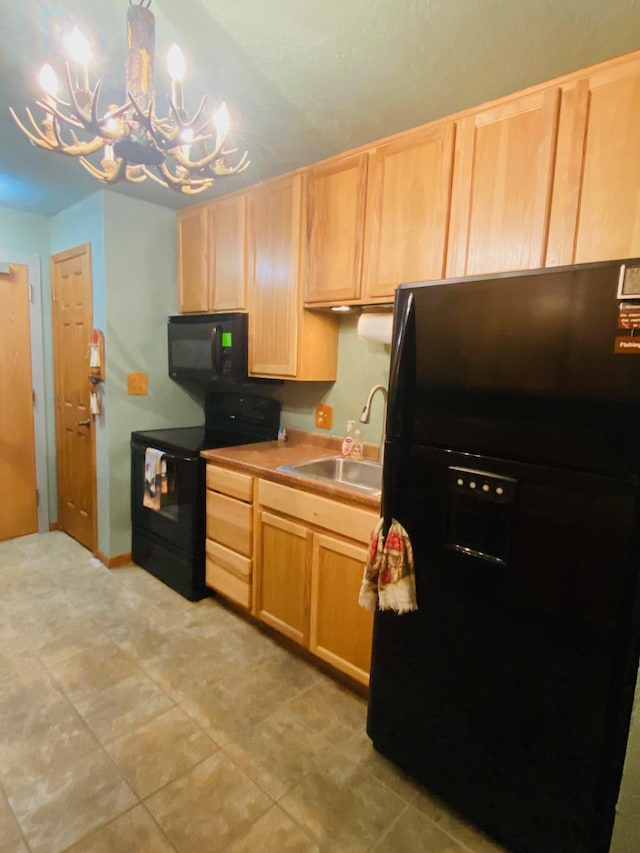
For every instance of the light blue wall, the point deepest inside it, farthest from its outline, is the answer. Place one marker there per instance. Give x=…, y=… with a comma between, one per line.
x=141, y=291
x=133, y=254
x=29, y=234
x=24, y=232
x=361, y=365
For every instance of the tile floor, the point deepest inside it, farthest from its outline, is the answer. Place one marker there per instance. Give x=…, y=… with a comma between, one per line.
x=134, y=720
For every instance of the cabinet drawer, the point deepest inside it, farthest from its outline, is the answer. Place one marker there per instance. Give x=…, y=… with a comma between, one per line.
x=231, y=483
x=350, y=521
x=228, y=560
x=230, y=522
x=229, y=585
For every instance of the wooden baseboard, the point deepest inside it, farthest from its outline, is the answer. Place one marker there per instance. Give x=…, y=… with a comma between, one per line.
x=114, y=562
x=54, y=525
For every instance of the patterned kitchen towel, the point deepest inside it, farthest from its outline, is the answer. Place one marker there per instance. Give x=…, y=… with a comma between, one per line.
x=389, y=580
x=155, y=472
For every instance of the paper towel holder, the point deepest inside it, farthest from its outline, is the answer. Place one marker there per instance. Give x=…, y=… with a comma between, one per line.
x=376, y=326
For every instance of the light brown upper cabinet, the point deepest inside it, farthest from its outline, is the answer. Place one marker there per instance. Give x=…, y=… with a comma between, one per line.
x=229, y=253
x=407, y=211
x=335, y=229
x=212, y=265
x=502, y=183
x=193, y=259
x=285, y=341
x=546, y=177
x=608, y=224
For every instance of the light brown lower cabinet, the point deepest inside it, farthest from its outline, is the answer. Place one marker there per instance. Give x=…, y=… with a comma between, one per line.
x=282, y=598
x=340, y=630
x=309, y=560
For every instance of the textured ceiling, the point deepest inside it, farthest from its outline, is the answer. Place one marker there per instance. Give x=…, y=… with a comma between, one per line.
x=303, y=80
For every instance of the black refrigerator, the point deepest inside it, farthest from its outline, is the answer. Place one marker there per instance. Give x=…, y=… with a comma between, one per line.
x=512, y=459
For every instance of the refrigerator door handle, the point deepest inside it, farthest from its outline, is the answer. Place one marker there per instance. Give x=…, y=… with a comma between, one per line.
x=399, y=356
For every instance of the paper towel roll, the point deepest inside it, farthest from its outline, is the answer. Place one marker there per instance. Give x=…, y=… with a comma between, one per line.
x=376, y=327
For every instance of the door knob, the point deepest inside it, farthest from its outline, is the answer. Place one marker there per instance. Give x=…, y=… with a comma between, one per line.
x=85, y=423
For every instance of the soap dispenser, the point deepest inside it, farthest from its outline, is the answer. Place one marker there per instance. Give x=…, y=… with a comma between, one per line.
x=356, y=449
x=347, y=442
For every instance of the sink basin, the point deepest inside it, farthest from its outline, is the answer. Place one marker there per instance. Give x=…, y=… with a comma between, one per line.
x=360, y=474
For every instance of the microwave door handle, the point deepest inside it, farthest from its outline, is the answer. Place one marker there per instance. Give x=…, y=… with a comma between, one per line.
x=216, y=348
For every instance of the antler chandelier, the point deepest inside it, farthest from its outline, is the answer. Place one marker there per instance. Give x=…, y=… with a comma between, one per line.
x=181, y=153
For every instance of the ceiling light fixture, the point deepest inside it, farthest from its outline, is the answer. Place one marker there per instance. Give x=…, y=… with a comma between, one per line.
x=184, y=154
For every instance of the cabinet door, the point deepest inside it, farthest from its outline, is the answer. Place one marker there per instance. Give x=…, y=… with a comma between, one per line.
x=340, y=629
x=609, y=212
x=193, y=259
x=503, y=176
x=228, y=254
x=335, y=228
x=282, y=589
x=274, y=224
x=408, y=200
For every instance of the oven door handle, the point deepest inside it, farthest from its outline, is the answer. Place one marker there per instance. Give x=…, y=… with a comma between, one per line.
x=174, y=457
x=216, y=348
x=179, y=457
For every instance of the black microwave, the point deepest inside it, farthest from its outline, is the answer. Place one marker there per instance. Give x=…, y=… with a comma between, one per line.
x=208, y=348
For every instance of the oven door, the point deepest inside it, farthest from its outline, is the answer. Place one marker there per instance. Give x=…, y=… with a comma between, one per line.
x=179, y=520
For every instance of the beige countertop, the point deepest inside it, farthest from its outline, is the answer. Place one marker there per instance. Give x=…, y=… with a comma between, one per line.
x=263, y=459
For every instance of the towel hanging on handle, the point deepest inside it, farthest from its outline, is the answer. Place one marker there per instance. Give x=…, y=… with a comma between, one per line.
x=389, y=579
x=155, y=475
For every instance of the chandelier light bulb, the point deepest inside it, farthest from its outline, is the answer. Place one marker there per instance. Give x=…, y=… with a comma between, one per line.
x=78, y=47
x=110, y=122
x=187, y=137
x=222, y=120
x=48, y=80
x=175, y=63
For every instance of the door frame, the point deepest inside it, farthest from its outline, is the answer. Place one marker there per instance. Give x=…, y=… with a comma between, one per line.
x=32, y=262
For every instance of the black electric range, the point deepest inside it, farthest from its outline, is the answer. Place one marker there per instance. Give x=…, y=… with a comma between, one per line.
x=168, y=510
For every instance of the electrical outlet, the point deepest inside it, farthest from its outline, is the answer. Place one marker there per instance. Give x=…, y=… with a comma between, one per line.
x=324, y=416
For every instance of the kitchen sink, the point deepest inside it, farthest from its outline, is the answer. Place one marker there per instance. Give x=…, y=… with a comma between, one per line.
x=360, y=474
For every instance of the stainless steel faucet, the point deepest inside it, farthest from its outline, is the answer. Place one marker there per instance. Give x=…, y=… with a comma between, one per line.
x=366, y=412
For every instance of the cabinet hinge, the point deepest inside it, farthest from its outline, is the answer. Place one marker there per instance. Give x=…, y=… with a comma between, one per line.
x=37, y=497
x=33, y=396
x=30, y=293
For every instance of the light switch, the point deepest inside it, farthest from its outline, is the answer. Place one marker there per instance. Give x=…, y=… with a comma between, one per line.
x=137, y=384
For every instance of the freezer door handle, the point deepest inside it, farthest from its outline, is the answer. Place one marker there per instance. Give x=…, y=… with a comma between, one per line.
x=399, y=345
